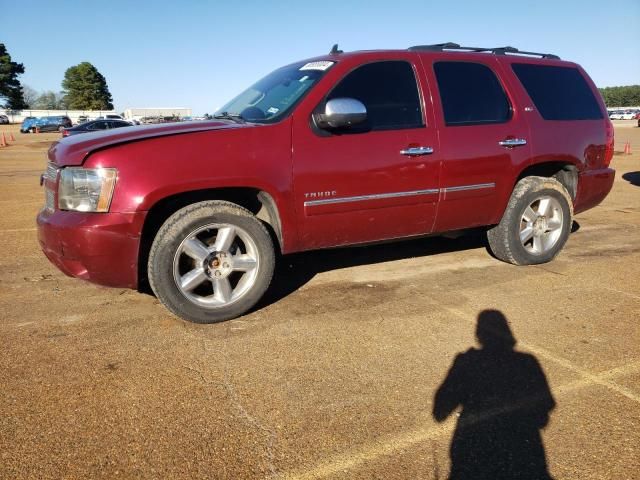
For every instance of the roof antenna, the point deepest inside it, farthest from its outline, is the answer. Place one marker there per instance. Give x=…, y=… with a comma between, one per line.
x=335, y=50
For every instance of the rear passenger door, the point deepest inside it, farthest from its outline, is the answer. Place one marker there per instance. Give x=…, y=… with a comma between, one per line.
x=483, y=138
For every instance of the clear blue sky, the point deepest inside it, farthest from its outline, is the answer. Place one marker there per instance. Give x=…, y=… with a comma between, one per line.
x=199, y=54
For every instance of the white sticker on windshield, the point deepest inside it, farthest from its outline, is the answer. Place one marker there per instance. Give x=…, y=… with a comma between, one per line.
x=273, y=110
x=322, y=65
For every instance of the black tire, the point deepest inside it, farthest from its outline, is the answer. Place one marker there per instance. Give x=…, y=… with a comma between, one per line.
x=504, y=239
x=174, y=232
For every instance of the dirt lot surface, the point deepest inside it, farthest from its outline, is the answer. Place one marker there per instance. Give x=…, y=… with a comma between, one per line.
x=336, y=375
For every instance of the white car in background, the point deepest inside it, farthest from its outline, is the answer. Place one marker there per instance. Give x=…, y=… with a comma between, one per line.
x=4, y=119
x=111, y=116
x=622, y=115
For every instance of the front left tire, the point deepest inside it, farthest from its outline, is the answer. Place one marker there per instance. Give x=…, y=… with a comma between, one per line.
x=211, y=261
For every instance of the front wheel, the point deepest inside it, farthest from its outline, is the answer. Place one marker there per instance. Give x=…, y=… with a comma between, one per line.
x=536, y=224
x=211, y=261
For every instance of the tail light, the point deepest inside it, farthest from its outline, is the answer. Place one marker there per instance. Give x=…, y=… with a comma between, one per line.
x=608, y=148
x=65, y=133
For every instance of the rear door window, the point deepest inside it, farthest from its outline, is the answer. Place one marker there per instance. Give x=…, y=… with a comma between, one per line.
x=559, y=93
x=471, y=94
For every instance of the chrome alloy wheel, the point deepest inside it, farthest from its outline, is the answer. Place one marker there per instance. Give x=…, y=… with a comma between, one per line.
x=215, y=265
x=541, y=225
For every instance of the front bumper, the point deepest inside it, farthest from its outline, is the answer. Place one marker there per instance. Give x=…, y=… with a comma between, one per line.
x=99, y=247
x=593, y=187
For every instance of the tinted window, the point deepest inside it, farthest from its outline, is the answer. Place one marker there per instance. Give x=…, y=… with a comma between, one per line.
x=471, y=94
x=559, y=93
x=388, y=90
x=98, y=126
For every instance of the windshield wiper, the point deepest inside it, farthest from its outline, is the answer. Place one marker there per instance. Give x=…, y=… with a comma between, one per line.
x=236, y=117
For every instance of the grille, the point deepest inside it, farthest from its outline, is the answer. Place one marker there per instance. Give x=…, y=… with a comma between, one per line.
x=49, y=200
x=51, y=173
x=50, y=176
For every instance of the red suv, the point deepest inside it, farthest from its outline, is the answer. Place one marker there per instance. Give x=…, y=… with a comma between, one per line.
x=342, y=149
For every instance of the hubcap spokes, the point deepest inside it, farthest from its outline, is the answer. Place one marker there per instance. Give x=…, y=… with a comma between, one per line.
x=216, y=265
x=541, y=225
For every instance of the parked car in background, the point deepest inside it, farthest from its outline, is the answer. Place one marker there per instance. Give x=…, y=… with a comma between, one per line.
x=82, y=119
x=50, y=124
x=150, y=120
x=95, y=126
x=27, y=124
x=4, y=119
x=622, y=115
x=110, y=116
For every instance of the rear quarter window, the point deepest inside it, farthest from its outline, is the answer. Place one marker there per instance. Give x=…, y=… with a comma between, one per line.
x=559, y=93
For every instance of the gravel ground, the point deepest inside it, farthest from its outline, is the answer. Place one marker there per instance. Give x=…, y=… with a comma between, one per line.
x=336, y=375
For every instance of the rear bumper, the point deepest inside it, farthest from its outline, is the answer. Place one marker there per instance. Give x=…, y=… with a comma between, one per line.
x=100, y=248
x=593, y=187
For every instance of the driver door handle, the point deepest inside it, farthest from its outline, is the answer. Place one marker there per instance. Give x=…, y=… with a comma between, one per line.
x=417, y=151
x=512, y=142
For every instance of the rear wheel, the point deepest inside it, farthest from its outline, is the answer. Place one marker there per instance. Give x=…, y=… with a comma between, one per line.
x=211, y=261
x=536, y=224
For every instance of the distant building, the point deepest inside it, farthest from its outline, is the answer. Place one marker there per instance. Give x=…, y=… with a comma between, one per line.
x=140, y=113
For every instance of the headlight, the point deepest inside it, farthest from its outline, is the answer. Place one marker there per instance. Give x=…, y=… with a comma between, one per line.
x=86, y=189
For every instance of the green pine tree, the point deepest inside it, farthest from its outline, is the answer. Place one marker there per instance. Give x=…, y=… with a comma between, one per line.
x=86, y=89
x=11, y=94
x=624, y=96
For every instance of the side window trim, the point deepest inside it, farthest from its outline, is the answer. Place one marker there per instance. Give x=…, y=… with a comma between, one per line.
x=418, y=86
x=498, y=78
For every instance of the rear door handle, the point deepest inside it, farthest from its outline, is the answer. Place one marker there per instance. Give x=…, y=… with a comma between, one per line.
x=512, y=142
x=417, y=151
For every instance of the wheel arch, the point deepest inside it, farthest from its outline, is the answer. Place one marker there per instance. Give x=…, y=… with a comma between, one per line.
x=259, y=202
x=563, y=171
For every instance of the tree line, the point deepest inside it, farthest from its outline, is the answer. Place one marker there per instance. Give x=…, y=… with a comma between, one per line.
x=627, y=96
x=83, y=88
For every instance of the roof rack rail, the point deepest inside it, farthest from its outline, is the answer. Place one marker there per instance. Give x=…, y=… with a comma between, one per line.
x=441, y=47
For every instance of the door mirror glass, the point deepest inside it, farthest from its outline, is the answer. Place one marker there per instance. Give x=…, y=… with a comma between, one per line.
x=341, y=113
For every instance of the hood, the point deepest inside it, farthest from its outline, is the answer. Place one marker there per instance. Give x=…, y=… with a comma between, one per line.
x=73, y=150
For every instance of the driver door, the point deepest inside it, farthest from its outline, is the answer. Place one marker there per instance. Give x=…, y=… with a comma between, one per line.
x=373, y=182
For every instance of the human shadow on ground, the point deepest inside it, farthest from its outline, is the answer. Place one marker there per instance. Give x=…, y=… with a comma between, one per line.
x=504, y=402
x=633, y=178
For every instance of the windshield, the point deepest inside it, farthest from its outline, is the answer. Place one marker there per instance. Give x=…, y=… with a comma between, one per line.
x=269, y=99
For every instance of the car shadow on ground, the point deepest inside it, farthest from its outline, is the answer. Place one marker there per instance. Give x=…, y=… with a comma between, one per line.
x=503, y=400
x=633, y=178
x=295, y=270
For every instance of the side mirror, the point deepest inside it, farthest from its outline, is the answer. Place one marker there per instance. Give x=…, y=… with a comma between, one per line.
x=341, y=113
